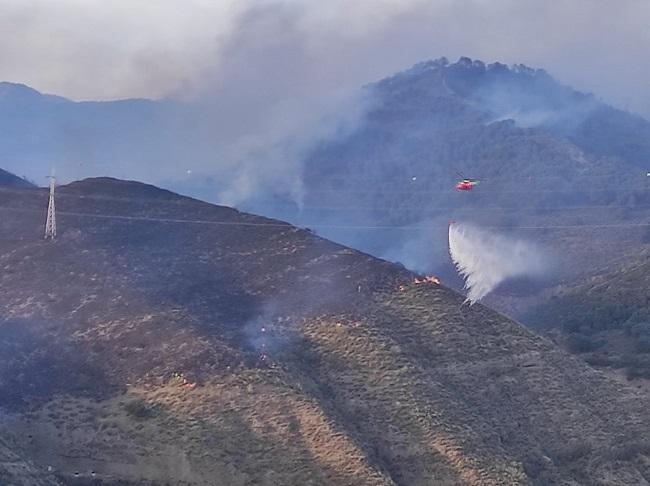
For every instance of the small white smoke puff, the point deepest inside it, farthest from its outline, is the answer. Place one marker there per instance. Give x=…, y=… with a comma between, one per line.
x=486, y=259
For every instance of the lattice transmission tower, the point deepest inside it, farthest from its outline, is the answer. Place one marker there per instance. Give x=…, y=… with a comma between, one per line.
x=50, y=224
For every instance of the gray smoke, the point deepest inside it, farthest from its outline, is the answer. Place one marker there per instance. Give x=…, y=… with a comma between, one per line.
x=260, y=82
x=168, y=47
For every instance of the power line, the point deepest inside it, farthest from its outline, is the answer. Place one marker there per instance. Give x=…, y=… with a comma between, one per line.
x=573, y=190
x=462, y=208
x=275, y=223
x=184, y=200
x=431, y=191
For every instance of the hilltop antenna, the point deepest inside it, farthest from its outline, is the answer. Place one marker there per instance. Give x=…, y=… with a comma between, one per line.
x=50, y=224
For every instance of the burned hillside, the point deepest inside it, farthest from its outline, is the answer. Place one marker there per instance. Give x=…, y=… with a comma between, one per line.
x=163, y=340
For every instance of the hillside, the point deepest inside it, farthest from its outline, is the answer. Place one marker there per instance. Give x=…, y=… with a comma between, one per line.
x=7, y=179
x=605, y=319
x=16, y=471
x=162, y=340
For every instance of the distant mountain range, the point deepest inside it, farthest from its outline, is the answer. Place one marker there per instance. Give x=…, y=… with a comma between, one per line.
x=40, y=132
x=433, y=119
x=161, y=340
x=558, y=167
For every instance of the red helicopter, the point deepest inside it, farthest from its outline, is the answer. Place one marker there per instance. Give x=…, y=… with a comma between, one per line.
x=466, y=184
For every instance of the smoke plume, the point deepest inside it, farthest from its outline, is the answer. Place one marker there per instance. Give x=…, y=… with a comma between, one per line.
x=485, y=259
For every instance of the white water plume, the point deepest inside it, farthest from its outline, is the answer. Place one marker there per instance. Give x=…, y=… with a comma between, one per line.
x=485, y=259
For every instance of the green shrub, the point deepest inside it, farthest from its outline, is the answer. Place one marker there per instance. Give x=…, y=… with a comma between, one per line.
x=638, y=329
x=571, y=452
x=138, y=408
x=643, y=344
x=602, y=360
x=581, y=343
x=629, y=450
x=637, y=372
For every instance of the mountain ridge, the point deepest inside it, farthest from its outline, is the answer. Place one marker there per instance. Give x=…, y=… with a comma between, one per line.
x=7, y=179
x=184, y=350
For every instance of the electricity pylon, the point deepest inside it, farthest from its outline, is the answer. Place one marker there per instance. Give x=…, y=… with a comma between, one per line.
x=50, y=224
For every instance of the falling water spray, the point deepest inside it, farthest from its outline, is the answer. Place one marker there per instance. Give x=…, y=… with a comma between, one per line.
x=485, y=259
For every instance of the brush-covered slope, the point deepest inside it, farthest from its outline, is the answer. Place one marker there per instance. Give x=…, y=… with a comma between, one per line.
x=162, y=340
x=16, y=471
x=606, y=319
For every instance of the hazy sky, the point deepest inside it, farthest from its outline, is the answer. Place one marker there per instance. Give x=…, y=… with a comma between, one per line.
x=92, y=49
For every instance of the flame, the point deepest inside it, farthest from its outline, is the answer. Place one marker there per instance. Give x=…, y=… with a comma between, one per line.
x=429, y=279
